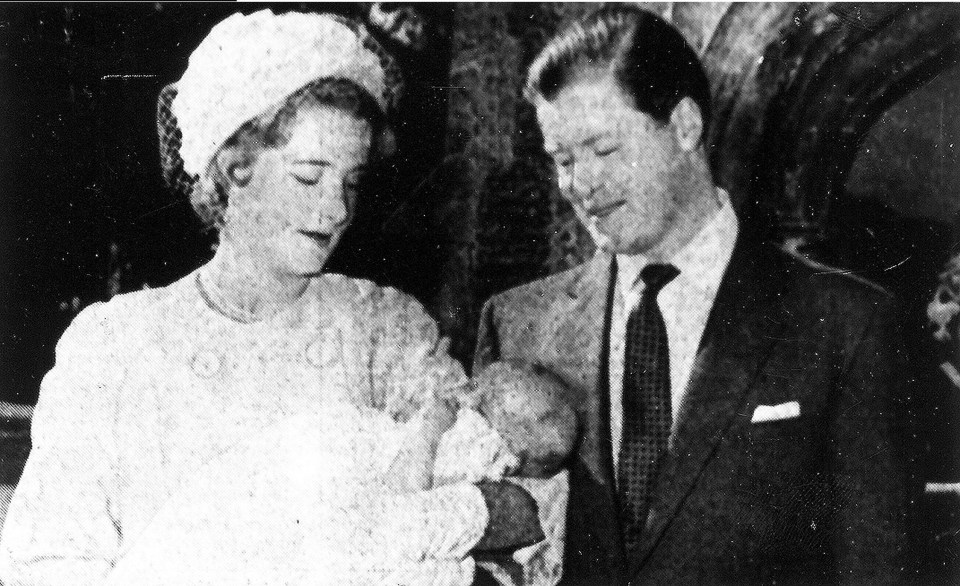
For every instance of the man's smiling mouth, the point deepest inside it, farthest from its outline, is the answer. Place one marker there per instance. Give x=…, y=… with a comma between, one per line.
x=601, y=212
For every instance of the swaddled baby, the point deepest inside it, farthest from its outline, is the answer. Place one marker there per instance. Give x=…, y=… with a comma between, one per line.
x=516, y=422
x=528, y=408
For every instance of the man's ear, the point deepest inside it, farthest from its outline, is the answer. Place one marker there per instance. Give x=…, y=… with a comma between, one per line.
x=687, y=122
x=236, y=166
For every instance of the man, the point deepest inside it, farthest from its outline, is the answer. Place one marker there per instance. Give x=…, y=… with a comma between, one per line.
x=735, y=400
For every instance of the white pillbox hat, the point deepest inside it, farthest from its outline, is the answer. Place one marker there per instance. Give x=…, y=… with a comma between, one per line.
x=249, y=65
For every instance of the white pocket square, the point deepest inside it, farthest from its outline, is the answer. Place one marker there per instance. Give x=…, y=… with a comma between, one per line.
x=788, y=410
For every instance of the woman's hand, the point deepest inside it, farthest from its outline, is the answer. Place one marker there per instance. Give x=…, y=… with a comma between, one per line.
x=437, y=416
x=412, y=468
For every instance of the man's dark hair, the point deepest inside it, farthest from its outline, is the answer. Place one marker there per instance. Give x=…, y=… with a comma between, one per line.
x=648, y=58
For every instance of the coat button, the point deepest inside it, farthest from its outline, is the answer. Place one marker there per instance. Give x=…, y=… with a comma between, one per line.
x=321, y=354
x=206, y=363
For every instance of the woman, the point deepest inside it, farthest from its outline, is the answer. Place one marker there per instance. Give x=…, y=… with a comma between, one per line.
x=154, y=389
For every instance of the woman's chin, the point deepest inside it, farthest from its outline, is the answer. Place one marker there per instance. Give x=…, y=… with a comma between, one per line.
x=306, y=261
x=308, y=267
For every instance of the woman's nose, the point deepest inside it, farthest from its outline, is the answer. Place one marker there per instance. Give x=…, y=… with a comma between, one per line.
x=332, y=210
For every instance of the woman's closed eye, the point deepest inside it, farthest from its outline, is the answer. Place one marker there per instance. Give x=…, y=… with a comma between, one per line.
x=307, y=172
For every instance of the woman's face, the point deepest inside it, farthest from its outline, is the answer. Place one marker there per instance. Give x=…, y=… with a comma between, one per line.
x=295, y=201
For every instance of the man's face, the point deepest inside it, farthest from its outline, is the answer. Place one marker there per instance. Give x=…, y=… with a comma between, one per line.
x=615, y=164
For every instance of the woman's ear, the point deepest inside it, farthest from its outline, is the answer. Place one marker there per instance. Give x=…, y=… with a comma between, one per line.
x=687, y=122
x=236, y=166
x=240, y=173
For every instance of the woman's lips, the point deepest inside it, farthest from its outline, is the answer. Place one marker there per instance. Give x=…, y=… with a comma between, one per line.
x=320, y=238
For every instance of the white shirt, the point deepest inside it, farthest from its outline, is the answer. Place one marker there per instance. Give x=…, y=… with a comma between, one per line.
x=685, y=303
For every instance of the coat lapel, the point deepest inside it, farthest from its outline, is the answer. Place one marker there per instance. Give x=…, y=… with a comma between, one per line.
x=581, y=334
x=581, y=338
x=742, y=328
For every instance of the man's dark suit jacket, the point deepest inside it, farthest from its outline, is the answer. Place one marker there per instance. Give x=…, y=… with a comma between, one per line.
x=819, y=498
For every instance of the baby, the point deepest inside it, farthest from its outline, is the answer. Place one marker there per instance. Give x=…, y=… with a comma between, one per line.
x=516, y=422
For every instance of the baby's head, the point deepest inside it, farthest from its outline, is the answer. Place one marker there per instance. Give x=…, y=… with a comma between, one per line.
x=528, y=408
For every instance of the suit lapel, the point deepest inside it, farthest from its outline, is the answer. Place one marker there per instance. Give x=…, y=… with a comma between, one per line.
x=581, y=338
x=742, y=328
x=581, y=334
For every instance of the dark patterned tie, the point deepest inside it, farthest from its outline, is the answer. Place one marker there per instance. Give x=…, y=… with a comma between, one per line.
x=647, y=411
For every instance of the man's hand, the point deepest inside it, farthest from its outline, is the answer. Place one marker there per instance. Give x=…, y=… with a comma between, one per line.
x=514, y=520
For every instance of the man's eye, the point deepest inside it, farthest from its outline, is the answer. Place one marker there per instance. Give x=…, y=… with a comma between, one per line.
x=606, y=150
x=562, y=161
x=307, y=173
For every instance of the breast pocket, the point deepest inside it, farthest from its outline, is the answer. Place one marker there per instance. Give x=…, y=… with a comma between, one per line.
x=785, y=487
x=784, y=462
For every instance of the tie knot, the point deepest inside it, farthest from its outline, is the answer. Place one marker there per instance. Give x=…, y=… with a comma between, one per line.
x=656, y=276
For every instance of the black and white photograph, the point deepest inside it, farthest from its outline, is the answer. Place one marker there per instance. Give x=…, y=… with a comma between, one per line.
x=479, y=293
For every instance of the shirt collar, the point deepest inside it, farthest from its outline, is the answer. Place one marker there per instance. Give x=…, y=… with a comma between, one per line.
x=702, y=261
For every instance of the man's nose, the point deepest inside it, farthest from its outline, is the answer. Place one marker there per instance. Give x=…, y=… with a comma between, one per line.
x=585, y=180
